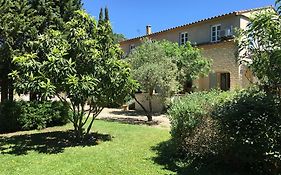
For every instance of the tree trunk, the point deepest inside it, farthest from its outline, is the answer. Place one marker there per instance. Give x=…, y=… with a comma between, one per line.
x=4, y=89
x=148, y=114
x=11, y=90
x=149, y=117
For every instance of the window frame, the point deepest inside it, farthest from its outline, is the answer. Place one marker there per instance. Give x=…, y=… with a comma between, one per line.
x=183, y=40
x=217, y=33
x=132, y=46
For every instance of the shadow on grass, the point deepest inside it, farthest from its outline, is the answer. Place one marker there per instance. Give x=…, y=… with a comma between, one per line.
x=131, y=121
x=47, y=143
x=168, y=157
x=133, y=113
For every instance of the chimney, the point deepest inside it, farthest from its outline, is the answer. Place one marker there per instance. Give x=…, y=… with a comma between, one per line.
x=148, y=30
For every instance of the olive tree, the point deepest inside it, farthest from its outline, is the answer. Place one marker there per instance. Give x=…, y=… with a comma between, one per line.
x=166, y=67
x=76, y=66
x=152, y=68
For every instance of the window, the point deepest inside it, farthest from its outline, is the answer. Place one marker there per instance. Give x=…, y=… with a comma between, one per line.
x=132, y=46
x=219, y=81
x=215, y=33
x=225, y=81
x=183, y=38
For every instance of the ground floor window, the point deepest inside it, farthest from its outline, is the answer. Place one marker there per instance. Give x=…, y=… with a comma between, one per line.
x=225, y=81
x=219, y=80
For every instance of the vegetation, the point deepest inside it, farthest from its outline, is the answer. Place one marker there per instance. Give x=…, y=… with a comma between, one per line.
x=30, y=20
x=260, y=48
x=189, y=61
x=153, y=70
x=251, y=123
x=15, y=116
x=238, y=129
x=192, y=125
x=80, y=64
x=162, y=66
x=55, y=152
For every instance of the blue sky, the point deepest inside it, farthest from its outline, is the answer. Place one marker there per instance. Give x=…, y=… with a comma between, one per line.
x=130, y=17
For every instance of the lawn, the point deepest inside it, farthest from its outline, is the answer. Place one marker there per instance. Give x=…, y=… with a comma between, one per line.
x=121, y=149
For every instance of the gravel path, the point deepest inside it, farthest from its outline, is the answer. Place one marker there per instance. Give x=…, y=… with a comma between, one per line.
x=134, y=117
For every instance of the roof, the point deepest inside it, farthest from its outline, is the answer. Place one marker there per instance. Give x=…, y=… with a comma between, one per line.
x=236, y=13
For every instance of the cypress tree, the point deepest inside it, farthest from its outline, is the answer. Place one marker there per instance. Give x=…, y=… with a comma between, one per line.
x=101, y=19
x=106, y=18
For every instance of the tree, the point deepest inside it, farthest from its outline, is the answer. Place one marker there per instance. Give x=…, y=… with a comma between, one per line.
x=30, y=19
x=106, y=17
x=153, y=69
x=190, y=63
x=278, y=5
x=101, y=18
x=260, y=48
x=13, y=38
x=76, y=68
x=117, y=37
x=164, y=66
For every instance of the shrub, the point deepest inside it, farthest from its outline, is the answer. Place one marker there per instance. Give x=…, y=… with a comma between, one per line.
x=9, y=111
x=23, y=115
x=193, y=130
x=252, y=122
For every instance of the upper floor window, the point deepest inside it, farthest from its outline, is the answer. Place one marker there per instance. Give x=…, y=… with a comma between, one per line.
x=132, y=46
x=215, y=33
x=183, y=38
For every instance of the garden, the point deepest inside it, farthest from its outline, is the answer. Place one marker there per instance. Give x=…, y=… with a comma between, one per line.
x=73, y=69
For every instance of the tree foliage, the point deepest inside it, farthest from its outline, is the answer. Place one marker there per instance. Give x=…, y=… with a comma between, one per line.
x=153, y=69
x=163, y=66
x=190, y=63
x=30, y=19
x=260, y=48
x=77, y=65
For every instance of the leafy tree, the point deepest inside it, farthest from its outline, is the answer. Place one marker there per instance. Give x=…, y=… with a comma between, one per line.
x=260, y=48
x=77, y=66
x=30, y=19
x=13, y=38
x=190, y=63
x=153, y=69
x=117, y=37
x=164, y=66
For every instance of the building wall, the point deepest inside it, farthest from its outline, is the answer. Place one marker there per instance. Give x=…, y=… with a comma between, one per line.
x=198, y=33
x=224, y=60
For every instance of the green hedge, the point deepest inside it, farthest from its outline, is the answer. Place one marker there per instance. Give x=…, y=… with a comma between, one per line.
x=191, y=125
x=22, y=115
x=252, y=124
x=241, y=129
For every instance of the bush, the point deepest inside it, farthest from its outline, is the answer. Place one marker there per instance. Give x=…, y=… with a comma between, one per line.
x=252, y=122
x=193, y=130
x=240, y=130
x=23, y=115
x=9, y=112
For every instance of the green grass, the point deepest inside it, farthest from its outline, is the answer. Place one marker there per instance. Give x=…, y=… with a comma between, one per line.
x=128, y=152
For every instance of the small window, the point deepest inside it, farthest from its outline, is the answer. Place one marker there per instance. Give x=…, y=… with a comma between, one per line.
x=183, y=38
x=132, y=46
x=215, y=33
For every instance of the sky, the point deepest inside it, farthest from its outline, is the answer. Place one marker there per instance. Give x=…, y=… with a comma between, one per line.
x=130, y=17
